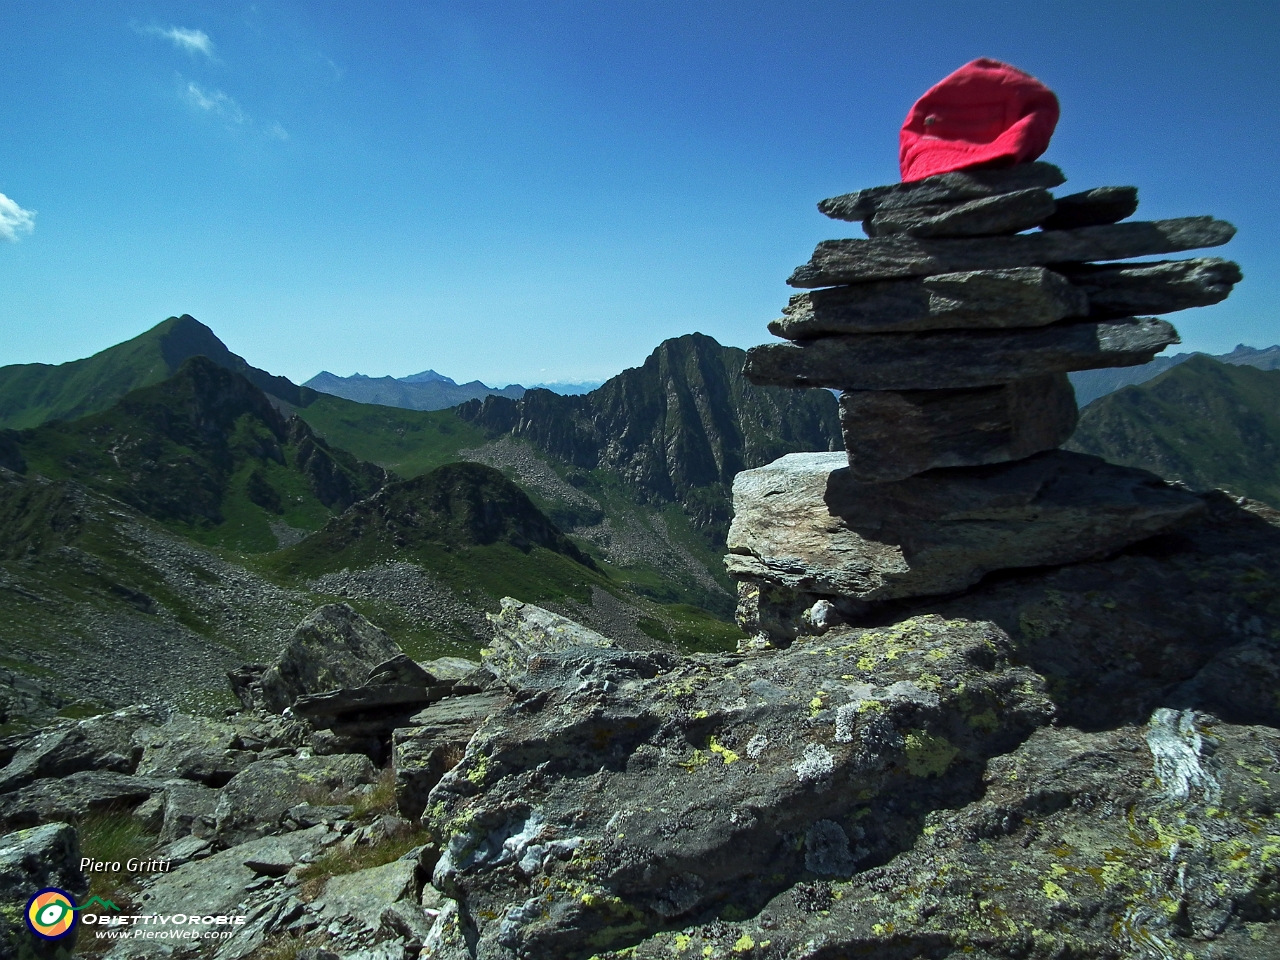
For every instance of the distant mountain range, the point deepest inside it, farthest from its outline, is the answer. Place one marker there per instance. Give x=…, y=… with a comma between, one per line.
x=1092, y=384
x=427, y=390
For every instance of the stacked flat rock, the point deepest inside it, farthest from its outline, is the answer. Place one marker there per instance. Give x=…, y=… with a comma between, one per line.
x=950, y=332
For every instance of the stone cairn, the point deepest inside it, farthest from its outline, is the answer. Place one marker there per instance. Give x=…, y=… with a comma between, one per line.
x=950, y=334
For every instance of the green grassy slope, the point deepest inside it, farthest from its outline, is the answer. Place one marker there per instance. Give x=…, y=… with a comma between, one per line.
x=206, y=453
x=33, y=393
x=406, y=442
x=1206, y=423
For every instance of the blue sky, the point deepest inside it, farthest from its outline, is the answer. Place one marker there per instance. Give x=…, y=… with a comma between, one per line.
x=545, y=190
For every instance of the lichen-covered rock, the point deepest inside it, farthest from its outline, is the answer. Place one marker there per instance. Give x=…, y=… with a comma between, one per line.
x=32, y=860
x=522, y=630
x=379, y=903
x=1152, y=841
x=257, y=799
x=190, y=809
x=333, y=647
x=622, y=793
x=422, y=753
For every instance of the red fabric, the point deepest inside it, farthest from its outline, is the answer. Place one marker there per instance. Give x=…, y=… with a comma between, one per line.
x=986, y=113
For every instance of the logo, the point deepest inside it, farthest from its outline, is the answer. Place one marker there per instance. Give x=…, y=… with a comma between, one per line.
x=51, y=914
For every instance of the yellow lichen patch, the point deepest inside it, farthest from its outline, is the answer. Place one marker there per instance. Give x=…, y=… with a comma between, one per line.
x=682, y=944
x=725, y=754
x=815, y=705
x=744, y=943
x=1053, y=891
x=927, y=754
x=698, y=759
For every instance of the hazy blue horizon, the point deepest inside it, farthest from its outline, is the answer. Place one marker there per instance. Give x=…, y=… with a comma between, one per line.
x=517, y=193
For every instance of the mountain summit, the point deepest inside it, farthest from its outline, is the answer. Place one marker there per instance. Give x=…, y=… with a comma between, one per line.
x=31, y=393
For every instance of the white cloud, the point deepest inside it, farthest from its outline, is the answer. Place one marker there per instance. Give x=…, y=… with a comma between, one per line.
x=214, y=101
x=14, y=221
x=277, y=132
x=192, y=41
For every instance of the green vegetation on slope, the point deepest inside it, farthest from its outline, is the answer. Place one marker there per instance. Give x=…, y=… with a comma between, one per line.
x=406, y=442
x=207, y=453
x=1206, y=423
x=33, y=393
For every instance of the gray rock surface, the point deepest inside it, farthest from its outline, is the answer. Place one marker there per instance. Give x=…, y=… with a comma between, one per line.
x=333, y=647
x=190, y=809
x=601, y=816
x=955, y=187
x=422, y=753
x=256, y=801
x=72, y=796
x=97, y=743
x=804, y=524
x=957, y=359
x=891, y=435
x=1126, y=289
x=1091, y=208
x=32, y=860
x=193, y=748
x=856, y=261
x=522, y=630
x=1077, y=848
x=1004, y=213
x=380, y=902
x=977, y=299
x=216, y=886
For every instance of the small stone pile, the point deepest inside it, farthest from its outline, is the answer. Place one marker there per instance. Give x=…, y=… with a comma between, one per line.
x=950, y=334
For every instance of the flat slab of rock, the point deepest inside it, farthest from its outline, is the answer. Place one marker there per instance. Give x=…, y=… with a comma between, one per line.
x=955, y=187
x=973, y=299
x=1129, y=289
x=891, y=435
x=1004, y=213
x=377, y=898
x=1093, y=207
x=215, y=885
x=193, y=748
x=857, y=261
x=805, y=524
x=956, y=360
x=319, y=707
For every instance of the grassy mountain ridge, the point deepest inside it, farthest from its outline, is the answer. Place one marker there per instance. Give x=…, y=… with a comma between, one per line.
x=32, y=393
x=206, y=451
x=1092, y=384
x=1206, y=423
